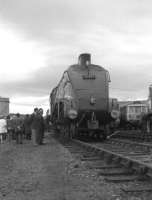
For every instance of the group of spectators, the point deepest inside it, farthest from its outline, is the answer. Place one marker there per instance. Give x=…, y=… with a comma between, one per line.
x=30, y=127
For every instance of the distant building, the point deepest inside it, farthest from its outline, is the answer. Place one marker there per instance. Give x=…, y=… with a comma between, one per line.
x=4, y=106
x=150, y=98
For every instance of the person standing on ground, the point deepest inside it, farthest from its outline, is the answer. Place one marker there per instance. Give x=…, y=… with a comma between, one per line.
x=9, y=128
x=3, y=128
x=34, y=120
x=18, y=123
x=46, y=121
x=41, y=127
x=27, y=128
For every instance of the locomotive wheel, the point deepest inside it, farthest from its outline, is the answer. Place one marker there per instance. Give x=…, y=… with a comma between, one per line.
x=104, y=136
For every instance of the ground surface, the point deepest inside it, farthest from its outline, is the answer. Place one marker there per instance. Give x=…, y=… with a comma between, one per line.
x=48, y=172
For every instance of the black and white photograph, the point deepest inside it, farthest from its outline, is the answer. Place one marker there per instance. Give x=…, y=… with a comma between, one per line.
x=75, y=100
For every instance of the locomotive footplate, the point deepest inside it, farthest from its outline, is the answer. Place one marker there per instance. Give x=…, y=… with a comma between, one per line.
x=93, y=124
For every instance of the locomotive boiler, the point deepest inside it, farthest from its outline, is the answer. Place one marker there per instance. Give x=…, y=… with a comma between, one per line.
x=80, y=102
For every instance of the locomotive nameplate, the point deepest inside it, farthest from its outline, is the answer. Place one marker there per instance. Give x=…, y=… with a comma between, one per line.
x=89, y=76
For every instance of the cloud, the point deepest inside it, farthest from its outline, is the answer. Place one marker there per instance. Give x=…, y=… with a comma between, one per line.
x=27, y=104
x=44, y=18
x=130, y=85
x=19, y=58
x=42, y=38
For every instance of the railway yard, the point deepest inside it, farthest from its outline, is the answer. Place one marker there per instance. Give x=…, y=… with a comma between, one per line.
x=111, y=139
x=122, y=163
x=96, y=148
x=64, y=169
x=75, y=100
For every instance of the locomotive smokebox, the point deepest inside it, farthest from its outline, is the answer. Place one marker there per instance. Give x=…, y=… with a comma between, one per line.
x=85, y=59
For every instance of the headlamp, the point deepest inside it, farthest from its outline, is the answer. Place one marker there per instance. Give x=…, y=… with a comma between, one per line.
x=115, y=114
x=72, y=114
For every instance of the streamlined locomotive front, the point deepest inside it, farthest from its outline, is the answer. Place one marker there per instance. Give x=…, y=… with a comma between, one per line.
x=91, y=86
x=81, y=98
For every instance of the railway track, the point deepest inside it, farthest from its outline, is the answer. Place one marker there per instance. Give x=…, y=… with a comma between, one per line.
x=132, y=155
x=118, y=161
x=134, y=135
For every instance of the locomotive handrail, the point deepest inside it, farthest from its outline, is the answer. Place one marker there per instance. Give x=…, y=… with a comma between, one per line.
x=81, y=118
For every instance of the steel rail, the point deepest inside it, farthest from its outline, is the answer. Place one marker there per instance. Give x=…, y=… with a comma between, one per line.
x=127, y=142
x=128, y=162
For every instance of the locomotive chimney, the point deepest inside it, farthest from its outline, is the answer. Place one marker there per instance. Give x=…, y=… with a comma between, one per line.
x=150, y=97
x=84, y=59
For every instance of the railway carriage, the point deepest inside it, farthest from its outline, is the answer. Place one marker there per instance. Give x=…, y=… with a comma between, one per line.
x=132, y=115
x=80, y=102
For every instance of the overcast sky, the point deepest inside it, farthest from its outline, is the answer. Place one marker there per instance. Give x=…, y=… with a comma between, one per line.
x=39, y=39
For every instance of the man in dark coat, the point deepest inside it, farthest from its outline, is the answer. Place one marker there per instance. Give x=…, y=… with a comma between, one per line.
x=18, y=123
x=27, y=127
x=34, y=120
x=41, y=127
x=10, y=128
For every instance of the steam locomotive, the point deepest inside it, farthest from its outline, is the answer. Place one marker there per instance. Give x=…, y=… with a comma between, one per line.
x=79, y=104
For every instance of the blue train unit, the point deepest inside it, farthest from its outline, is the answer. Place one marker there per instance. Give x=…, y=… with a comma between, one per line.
x=80, y=102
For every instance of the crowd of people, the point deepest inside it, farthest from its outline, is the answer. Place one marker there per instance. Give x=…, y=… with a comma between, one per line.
x=30, y=127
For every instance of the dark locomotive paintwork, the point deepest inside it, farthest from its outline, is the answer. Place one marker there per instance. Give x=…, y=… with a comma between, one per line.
x=84, y=88
x=95, y=84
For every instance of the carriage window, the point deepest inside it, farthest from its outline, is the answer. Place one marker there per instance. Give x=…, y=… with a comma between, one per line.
x=144, y=109
x=131, y=109
x=138, y=109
